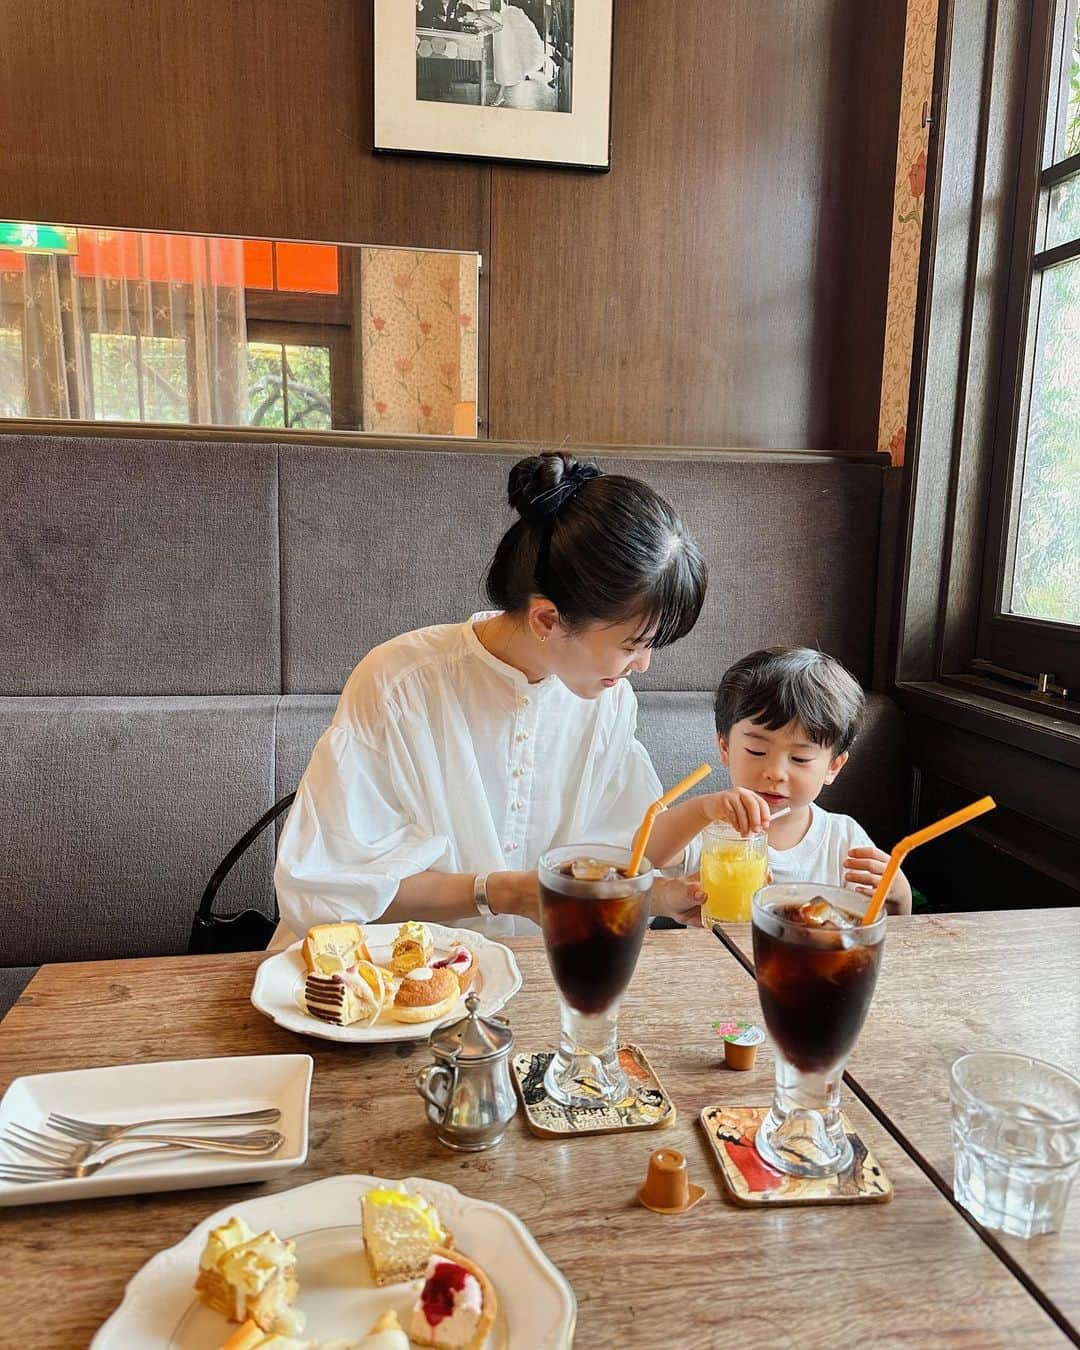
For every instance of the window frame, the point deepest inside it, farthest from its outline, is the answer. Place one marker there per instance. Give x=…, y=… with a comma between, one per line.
x=1004, y=639
x=336, y=340
x=952, y=492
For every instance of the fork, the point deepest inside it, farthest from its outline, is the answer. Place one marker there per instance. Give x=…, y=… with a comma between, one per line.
x=57, y=1150
x=90, y=1131
x=25, y=1172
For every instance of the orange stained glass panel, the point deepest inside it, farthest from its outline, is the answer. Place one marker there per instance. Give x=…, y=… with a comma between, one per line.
x=10, y=260
x=258, y=264
x=187, y=257
x=307, y=267
x=108, y=253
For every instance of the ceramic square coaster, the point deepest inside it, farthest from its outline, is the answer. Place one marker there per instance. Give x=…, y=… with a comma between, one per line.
x=648, y=1107
x=751, y=1181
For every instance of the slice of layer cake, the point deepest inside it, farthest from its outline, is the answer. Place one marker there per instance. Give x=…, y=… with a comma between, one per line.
x=332, y=947
x=400, y=1233
x=246, y=1276
x=455, y=1310
x=348, y=996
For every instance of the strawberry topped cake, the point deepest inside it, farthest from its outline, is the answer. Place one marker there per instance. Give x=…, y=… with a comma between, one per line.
x=455, y=1309
x=462, y=963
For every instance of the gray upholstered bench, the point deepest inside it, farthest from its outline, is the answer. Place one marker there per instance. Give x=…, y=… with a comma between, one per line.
x=178, y=616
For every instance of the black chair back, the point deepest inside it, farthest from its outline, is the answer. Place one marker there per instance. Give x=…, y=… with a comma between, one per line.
x=248, y=931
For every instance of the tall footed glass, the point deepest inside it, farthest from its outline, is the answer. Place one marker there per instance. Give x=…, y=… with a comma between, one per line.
x=594, y=919
x=816, y=966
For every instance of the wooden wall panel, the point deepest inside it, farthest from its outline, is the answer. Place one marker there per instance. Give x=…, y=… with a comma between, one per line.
x=725, y=284
x=238, y=116
x=707, y=290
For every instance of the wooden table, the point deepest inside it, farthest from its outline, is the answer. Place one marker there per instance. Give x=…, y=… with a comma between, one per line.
x=950, y=984
x=909, y=1273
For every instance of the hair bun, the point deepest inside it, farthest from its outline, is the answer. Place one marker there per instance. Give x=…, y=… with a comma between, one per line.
x=540, y=485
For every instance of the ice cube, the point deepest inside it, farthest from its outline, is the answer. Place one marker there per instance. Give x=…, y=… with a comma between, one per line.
x=818, y=913
x=592, y=869
x=770, y=974
x=844, y=964
x=619, y=917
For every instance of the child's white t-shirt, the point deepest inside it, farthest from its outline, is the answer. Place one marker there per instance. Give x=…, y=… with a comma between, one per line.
x=819, y=855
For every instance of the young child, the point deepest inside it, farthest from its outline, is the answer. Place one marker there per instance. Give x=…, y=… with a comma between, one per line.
x=785, y=720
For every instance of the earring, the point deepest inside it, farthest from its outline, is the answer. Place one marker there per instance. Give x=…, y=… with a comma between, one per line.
x=542, y=638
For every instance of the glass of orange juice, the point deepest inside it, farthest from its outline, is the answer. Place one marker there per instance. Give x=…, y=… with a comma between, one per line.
x=733, y=868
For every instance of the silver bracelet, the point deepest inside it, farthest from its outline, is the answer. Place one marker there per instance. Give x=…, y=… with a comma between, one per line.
x=479, y=895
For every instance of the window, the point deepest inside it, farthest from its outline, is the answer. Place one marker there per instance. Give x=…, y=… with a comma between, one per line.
x=288, y=385
x=1030, y=612
x=988, y=612
x=138, y=379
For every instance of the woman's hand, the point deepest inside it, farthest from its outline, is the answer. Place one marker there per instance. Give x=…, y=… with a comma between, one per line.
x=679, y=898
x=514, y=893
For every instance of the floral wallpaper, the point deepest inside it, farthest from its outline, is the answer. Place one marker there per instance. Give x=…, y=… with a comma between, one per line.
x=418, y=341
x=908, y=199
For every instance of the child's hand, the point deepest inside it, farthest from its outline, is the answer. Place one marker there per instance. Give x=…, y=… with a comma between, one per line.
x=744, y=810
x=863, y=869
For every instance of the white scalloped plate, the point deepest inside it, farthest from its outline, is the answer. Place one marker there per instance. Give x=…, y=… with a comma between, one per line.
x=536, y=1304
x=279, y=986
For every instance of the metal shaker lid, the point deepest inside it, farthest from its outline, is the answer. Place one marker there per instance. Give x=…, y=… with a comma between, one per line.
x=473, y=1037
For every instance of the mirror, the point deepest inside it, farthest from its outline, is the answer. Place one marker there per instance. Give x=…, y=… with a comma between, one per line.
x=199, y=330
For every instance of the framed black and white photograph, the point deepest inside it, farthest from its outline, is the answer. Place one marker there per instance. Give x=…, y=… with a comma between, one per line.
x=528, y=81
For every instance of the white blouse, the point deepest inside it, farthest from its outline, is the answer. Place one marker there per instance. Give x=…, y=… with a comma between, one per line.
x=442, y=758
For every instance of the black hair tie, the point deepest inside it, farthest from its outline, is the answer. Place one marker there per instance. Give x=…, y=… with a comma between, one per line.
x=547, y=506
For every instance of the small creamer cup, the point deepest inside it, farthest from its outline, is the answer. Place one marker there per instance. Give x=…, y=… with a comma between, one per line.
x=667, y=1188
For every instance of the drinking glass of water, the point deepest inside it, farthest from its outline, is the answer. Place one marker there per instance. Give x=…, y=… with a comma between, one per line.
x=1016, y=1140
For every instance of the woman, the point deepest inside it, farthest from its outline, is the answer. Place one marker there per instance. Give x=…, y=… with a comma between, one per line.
x=518, y=51
x=458, y=754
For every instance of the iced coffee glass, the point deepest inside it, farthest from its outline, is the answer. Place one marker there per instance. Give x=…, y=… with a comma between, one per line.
x=594, y=918
x=816, y=969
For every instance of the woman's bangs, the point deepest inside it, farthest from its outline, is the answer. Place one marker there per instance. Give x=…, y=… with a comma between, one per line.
x=671, y=610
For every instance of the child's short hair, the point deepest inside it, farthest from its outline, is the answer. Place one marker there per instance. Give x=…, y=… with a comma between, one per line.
x=784, y=684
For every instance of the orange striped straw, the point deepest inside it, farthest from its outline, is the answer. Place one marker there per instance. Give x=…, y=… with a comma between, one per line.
x=641, y=840
x=923, y=836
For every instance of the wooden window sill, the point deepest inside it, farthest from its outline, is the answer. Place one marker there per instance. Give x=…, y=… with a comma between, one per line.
x=970, y=706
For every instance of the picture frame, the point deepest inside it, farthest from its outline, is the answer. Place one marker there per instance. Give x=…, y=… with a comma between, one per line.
x=523, y=82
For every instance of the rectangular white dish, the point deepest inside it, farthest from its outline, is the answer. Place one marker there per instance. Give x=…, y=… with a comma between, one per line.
x=184, y=1087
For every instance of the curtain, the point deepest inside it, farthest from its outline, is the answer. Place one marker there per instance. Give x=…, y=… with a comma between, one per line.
x=135, y=326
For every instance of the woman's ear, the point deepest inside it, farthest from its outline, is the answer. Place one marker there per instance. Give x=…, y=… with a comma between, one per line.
x=725, y=755
x=835, y=767
x=542, y=618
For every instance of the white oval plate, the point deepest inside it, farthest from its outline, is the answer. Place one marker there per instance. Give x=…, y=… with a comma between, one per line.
x=279, y=986
x=536, y=1304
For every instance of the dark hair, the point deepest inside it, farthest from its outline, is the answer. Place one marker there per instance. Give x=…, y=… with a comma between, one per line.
x=784, y=684
x=601, y=547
